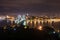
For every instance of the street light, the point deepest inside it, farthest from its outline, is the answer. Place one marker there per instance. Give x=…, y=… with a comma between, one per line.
x=40, y=27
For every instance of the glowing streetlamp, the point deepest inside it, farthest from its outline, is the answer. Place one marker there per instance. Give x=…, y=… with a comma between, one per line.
x=40, y=27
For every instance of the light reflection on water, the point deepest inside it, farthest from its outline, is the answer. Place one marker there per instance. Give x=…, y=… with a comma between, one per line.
x=55, y=25
x=36, y=23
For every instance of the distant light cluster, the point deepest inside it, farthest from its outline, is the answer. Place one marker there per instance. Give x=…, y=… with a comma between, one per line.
x=20, y=18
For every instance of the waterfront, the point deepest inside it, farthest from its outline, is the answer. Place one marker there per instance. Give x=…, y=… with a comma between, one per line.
x=36, y=28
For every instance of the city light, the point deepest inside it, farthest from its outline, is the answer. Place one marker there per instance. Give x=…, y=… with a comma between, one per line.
x=38, y=21
x=29, y=21
x=25, y=27
x=8, y=16
x=24, y=23
x=54, y=32
x=14, y=29
x=35, y=21
x=4, y=27
x=40, y=28
x=2, y=18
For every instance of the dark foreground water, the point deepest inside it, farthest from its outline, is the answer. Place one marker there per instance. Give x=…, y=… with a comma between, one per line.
x=45, y=34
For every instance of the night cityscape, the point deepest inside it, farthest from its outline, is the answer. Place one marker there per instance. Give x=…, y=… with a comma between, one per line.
x=30, y=19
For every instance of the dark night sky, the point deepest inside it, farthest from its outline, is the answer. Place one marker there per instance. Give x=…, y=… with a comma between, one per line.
x=34, y=7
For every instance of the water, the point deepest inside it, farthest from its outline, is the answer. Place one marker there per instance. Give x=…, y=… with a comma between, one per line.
x=53, y=24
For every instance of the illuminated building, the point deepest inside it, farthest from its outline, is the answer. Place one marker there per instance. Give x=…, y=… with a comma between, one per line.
x=21, y=18
x=2, y=18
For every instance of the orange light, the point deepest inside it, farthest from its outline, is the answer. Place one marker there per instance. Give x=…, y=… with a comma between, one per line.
x=7, y=16
x=40, y=27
